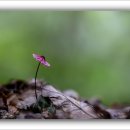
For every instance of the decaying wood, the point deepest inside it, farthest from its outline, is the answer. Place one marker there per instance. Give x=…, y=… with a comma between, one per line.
x=18, y=101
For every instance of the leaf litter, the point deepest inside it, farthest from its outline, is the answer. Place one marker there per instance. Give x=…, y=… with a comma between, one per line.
x=18, y=101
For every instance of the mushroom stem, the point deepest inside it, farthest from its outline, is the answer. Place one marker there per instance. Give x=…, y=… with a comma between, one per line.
x=35, y=81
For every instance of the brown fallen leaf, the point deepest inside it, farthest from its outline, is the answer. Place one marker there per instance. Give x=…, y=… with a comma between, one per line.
x=75, y=108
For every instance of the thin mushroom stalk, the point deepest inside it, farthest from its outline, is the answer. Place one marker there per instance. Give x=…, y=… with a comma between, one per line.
x=41, y=60
x=36, y=81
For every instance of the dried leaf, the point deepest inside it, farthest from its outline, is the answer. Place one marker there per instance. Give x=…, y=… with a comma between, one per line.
x=75, y=108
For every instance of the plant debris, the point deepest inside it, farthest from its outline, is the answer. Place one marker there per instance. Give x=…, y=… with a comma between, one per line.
x=18, y=101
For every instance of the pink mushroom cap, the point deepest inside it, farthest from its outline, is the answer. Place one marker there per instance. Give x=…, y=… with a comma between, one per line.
x=41, y=59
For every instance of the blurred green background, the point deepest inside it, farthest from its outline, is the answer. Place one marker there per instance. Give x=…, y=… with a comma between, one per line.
x=89, y=51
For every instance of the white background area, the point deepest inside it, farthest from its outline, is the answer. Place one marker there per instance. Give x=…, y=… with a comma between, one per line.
x=65, y=5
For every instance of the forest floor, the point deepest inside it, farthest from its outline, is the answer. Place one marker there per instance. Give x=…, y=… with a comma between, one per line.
x=18, y=101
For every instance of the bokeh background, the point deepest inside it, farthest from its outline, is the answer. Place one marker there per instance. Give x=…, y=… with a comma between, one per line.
x=89, y=51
